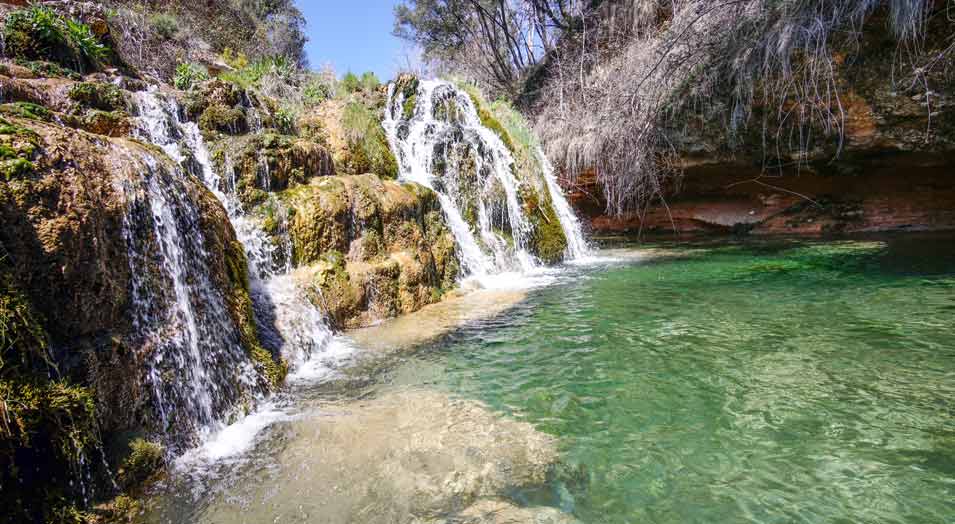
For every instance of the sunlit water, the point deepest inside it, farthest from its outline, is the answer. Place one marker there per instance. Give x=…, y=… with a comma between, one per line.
x=762, y=382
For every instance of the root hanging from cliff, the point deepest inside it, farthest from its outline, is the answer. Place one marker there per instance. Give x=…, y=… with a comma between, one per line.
x=621, y=98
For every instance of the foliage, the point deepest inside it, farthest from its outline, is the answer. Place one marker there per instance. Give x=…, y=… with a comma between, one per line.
x=188, y=75
x=251, y=75
x=98, y=95
x=350, y=83
x=256, y=29
x=368, y=147
x=164, y=25
x=369, y=81
x=614, y=83
x=285, y=119
x=40, y=33
x=145, y=459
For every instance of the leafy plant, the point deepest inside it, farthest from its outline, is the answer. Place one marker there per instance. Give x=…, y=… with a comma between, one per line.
x=285, y=119
x=370, y=82
x=188, y=75
x=40, y=33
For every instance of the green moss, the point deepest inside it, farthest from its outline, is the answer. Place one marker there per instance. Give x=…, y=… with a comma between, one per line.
x=99, y=95
x=272, y=367
x=220, y=118
x=408, y=107
x=27, y=110
x=548, y=242
x=18, y=147
x=145, y=459
x=16, y=168
x=368, y=150
x=44, y=69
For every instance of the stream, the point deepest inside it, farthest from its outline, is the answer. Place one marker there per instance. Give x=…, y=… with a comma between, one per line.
x=758, y=381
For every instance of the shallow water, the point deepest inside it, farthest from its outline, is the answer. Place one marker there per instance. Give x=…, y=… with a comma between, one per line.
x=768, y=382
x=761, y=382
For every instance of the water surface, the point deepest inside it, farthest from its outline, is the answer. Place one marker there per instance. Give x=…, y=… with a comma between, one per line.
x=762, y=382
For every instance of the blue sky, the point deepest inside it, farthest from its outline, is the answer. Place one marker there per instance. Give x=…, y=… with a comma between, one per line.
x=353, y=35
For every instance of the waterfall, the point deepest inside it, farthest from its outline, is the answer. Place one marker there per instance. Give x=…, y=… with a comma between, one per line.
x=443, y=145
x=470, y=169
x=577, y=247
x=288, y=322
x=198, y=368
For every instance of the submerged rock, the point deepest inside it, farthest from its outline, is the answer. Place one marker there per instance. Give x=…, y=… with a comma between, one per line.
x=404, y=457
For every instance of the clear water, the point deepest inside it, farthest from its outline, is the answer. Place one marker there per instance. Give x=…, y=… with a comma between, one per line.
x=782, y=382
x=775, y=382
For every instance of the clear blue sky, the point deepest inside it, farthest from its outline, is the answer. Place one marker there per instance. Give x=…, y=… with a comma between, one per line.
x=353, y=35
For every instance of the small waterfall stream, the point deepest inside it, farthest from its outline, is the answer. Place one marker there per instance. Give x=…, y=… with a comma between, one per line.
x=577, y=247
x=444, y=146
x=288, y=322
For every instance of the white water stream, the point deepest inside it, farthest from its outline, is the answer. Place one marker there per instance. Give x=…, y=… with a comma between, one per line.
x=294, y=325
x=444, y=146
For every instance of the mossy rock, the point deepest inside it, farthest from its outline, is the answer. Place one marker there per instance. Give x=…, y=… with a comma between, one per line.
x=548, y=241
x=223, y=119
x=19, y=147
x=44, y=69
x=145, y=459
x=99, y=95
x=109, y=123
x=27, y=110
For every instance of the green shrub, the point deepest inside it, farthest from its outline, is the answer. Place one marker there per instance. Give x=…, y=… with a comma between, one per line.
x=39, y=33
x=188, y=75
x=350, y=83
x=368, y=149
x=98, y=95
x=285, y=119
x=251, y=75
x=316, y=91
x=164, y=25
x=370, y=82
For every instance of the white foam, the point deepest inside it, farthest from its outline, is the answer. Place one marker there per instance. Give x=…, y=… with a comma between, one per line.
x=234, y=439
x=324, y=365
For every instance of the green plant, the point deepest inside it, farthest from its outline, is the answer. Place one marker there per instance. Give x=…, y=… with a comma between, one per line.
x=350, y=83
x=285, y=119
x=40, y=33
x=164, y=25
x=98, y=95
x=187, y=75
x=370, y=82
x=316, y=91
x=368, y=149
x=145, y=458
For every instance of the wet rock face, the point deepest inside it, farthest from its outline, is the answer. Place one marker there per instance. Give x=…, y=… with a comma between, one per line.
x=70, y=203
x=269, y=162
x=404, y=457
x=370, y=248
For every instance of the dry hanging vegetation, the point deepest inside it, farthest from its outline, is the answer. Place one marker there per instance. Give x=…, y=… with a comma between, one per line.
x=621, y=82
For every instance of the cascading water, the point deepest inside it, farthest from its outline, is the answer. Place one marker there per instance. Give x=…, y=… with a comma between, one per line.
x=577, y=247
x=470, y=169
x=287, y=320
x=443, y=145
x=198, y=368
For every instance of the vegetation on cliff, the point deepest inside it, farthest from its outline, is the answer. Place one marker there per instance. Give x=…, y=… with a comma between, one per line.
x=623, y=88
